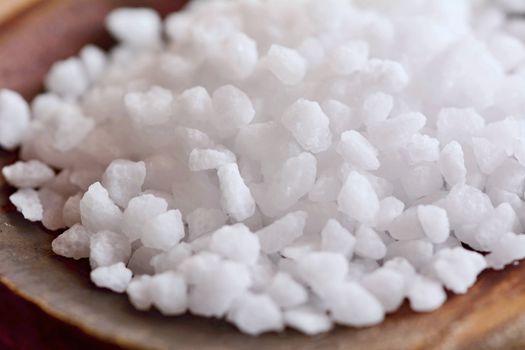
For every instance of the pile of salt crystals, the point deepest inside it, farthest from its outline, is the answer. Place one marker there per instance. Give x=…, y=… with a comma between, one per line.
x=283, y=163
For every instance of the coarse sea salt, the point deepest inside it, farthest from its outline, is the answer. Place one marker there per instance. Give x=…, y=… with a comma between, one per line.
x=226, y=163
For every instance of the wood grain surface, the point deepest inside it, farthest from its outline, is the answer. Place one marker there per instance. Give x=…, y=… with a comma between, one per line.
x=10, y=8
x=490, y=316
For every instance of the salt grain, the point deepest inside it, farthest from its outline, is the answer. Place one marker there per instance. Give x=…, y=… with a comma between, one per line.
x=309, y=125
x=249, y=161
x=28, y=203
x=115, y=277
x=73, y=243
x=14, y=119
x=108, y=248
x=29, y=174
x=287, y=64
x=169, y=294
x=255, y=314
x=358, y=199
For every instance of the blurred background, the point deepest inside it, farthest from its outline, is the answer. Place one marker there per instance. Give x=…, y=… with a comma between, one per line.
x=33, y=35
x=36, y=33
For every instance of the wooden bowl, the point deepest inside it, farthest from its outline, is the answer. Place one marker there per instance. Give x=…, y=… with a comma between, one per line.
x=49, y=303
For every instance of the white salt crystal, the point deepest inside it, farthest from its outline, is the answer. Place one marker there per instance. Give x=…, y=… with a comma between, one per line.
x=14, y=119
x=434, y=222
x=101, y=102
x=97, y=210
x=211, y=158
x=452, y=164
x=233, y=107
x=394, y=132
x=236, y=56
x=177, y=25
x=488, y=155
x=466, y=205
x=171, y=259
x=73, y=243
x=72, y=129
x=139, y=211
x=124, y=179
x=351, y=304
x=286, y=64
x=204, y=220
x=335, y=238
x=422, y=180
x=389, y=209
x=468, y=57
x=285, y=291
x=153, y=107
x=312, y=51
x=349, y=57
x=236, y=198
x=387, y=75
x=68, y=78
x=168, y=293
x=403, y=266
x=218, y=289
x=322, y=270
x=421, y=148
x=255, y=314
x=298, y=249
x=509, y=176
x=94, y=60
x=358, y=199
x=309, y=125
x=390, y=297
x=377, y=108
x=28, y=174
x=508, y=248
x=341, y=116
x=262, y=273
x=197, y=267
x=282, y=232
x=44, y=105
x=237, y=243
x=115, y=277
x=28, y=203
x=71, y=210
x=135, y=27
x=416, y=251
x=308, y=320
x=201, y=244
x=456, y=124
x=457, y=268
x=368, y=244
x=163, y=231
x=139, y=292
x=325, y=189
x=294, y=179
x=425, y=294
x=489, y=230
x=108, y=248
x=358, y=151
x=194, y=103
x=504, y=133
